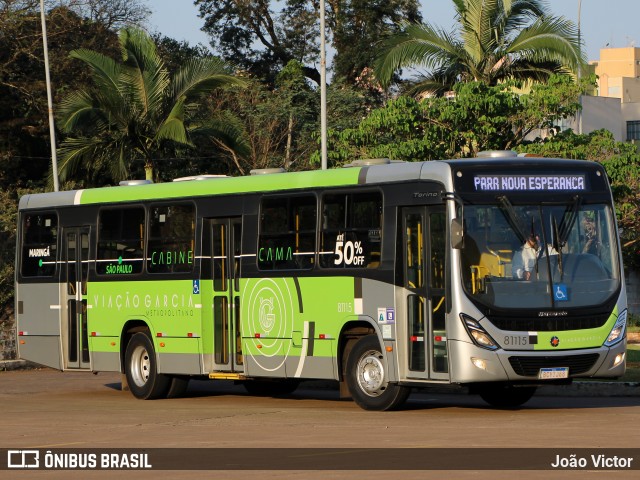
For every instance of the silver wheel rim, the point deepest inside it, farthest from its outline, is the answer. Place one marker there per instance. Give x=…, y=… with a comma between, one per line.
x=140, y=366
x=370, y=374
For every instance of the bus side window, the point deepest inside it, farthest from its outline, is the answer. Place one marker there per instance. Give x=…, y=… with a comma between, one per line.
x=171, y=239
x=121, y=241
x=351, y=235
x=39, y=245
x=287, y=239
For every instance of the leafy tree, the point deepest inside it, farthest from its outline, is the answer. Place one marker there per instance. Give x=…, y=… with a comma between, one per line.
x=278, y=123
x=281, y=123
x=358, y=26
x=24, y=133
x=111, y=14
x=137, y=111
x=494, y=40
x=24, y=129
x=263, y=35
x=478, y=117
x=622, y=162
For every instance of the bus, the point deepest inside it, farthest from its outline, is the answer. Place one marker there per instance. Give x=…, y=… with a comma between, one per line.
x=384, y=276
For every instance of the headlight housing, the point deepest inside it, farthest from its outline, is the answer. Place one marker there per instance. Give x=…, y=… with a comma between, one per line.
x=477, y=333
x=618, y=331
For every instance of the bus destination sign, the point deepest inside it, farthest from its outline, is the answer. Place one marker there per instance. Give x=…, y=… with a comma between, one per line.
x=529, y=183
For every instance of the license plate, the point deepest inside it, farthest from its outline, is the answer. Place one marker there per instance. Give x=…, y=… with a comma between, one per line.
x=551, y=373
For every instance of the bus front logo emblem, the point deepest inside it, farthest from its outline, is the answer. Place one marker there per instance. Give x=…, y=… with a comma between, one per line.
x=555, y=341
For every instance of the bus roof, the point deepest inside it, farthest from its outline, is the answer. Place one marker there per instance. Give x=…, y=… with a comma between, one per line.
x=437, y=170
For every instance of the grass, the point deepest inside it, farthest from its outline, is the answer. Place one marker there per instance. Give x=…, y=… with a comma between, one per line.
x=633, y=356
x=633, y=353
x=632, y=373
x=633, y=363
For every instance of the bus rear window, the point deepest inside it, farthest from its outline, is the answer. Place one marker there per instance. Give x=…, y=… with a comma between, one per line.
x=39, y=244
x=171, y=239
x=351, y=230
x=120, y=241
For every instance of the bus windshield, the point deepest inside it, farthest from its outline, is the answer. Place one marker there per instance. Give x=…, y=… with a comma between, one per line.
x=540, y=256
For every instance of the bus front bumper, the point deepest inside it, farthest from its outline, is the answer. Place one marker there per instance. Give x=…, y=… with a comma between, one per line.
x=480, y=365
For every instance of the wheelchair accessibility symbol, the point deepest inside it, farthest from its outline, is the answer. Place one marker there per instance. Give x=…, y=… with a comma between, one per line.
x=196, y=287
x=560, y=293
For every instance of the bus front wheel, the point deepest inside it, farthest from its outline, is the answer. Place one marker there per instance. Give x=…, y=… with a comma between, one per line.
x=368, y=380
x=141, y=369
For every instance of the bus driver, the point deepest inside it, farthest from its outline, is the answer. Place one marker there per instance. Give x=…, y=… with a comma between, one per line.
x=524, y=260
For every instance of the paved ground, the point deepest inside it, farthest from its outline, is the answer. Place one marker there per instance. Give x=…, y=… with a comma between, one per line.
x=46, y=409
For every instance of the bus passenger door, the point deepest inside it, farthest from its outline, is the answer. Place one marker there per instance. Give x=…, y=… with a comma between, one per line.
x=424, y=246
x=75, y=338
x=225, y=238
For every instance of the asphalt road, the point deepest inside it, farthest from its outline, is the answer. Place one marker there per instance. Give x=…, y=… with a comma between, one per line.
x=46, y=409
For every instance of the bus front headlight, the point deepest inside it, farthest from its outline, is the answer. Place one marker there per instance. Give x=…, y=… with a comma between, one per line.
x=618, y=330
x=477, y=333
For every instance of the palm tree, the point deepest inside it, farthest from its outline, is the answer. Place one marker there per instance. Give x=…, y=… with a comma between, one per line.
x=136, y=110
x=494, y=40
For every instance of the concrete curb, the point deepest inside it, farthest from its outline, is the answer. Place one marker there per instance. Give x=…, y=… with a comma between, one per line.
x=579, y=388
x=592, y=389
x=7, y=365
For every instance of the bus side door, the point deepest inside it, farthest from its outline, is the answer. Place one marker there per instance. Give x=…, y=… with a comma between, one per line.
x=224, y=235
x=75, y=338
x=424, y=247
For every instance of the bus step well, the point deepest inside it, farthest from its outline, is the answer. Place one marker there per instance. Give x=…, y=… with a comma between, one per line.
x=226, y=376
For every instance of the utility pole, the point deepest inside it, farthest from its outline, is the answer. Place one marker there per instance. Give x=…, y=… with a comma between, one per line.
x=323, y=88
x=52, y=128
x=579, y=66
x=579, y=36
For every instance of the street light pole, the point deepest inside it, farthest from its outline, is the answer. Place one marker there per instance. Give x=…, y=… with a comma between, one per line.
x=52, y=129
x=323, y=88
x=579, y=35
x=579, y=66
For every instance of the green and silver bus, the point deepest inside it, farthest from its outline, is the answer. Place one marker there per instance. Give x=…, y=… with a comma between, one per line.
x=384, y=276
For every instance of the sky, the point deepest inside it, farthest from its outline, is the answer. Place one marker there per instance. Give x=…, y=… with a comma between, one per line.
x=612, y=23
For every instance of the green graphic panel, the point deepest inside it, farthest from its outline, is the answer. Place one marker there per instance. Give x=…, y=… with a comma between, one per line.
x=576, y=339
x=221, y=186
x=170, y=308
x=276, y=307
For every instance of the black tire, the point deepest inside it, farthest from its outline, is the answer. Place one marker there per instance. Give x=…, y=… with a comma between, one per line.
x=178, y=387
x=367, y=379
x=141, y=369
x=505, y=396
x=270, y=388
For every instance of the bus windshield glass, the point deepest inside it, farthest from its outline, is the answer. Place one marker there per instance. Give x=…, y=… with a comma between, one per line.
x=540, y=256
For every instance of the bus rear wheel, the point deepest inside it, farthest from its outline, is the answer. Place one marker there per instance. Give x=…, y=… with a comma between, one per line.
x=368, y=380
x=505, y=396
x=178, y=387
x=141, y=369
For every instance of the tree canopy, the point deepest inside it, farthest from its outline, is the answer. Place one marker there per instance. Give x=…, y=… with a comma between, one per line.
x=477, y=117
x=265, y=35
x=494, y=40
x=136, y=109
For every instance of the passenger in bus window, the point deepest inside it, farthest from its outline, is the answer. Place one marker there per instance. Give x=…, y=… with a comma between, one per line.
x=590, y=236
x=524, y=260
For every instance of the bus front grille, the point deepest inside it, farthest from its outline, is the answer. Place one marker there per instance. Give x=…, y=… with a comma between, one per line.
x=549, y=324
x=530, y=366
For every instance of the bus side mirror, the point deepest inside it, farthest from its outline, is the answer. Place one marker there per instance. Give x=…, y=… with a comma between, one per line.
x=456, y=233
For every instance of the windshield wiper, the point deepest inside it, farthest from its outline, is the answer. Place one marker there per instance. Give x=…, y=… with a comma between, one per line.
x=510, y=214
x=568, y=219
x=557, y=246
